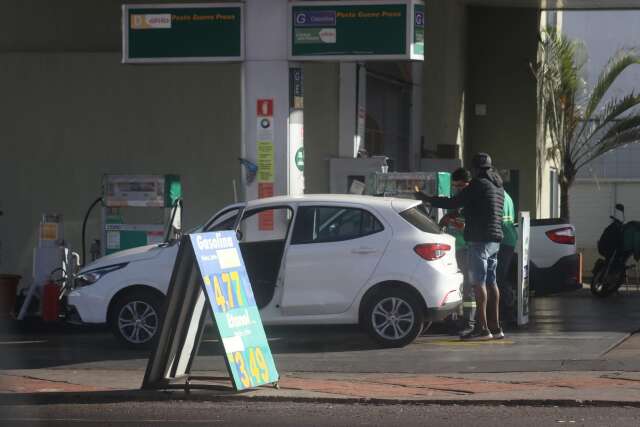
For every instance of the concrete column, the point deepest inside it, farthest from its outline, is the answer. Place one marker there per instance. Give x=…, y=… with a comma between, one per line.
x=417, y=127
x=444, y=73
x=347, y=123
x=265, y=76
x=501, y=93
x=353, y=101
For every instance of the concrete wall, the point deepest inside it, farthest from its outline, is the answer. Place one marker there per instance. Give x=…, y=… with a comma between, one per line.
x=502, y=43
x=65, y=25
x=71, y=112
x=69, y=118
x=321, y=118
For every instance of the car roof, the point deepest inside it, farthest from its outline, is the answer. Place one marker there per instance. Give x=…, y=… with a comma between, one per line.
x=373, y=201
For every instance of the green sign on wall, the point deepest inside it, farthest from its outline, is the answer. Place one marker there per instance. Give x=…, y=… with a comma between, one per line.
x=390, y=30
x=204, y=32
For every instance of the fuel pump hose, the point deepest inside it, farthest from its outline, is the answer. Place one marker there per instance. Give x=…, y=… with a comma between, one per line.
x=84, y=226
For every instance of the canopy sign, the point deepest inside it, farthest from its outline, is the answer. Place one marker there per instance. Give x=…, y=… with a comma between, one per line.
x=385, y=30
x=207, y=32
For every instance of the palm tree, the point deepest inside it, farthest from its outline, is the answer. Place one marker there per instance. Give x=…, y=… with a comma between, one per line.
x=575, y=126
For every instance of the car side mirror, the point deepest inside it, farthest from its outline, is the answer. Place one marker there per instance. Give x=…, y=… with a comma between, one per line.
x=620, y=207
x=239, y=235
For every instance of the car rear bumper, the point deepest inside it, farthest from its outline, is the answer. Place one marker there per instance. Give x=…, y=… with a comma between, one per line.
x=563, y=276
x=438, y=314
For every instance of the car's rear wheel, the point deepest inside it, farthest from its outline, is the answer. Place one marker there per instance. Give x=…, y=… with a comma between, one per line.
x=394, y=317
x=135, y=318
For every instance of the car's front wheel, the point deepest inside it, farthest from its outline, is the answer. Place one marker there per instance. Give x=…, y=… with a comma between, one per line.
x=135, y=318
x=394, y=317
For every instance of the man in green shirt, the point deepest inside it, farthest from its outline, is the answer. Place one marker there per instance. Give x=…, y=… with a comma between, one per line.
x=505, y=255
x=453, y=223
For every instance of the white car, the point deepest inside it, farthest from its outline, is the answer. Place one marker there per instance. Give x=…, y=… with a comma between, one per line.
x=317, y=259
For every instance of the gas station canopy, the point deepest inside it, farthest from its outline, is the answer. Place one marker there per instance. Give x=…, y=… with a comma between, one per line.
x=560, y=4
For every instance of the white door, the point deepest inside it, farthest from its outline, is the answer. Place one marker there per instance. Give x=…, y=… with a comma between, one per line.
x=334, y=250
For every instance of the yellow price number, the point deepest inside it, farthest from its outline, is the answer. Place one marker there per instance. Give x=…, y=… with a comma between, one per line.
x=232, y=284
x=244, y=377
x=235, y=278
x=258, y=367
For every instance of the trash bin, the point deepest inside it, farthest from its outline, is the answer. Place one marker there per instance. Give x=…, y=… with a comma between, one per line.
x=8, y=289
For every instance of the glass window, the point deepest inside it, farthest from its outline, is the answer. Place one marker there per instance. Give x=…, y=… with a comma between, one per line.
x=224, y=221
x=417, y=216
x=265, y=224
x=321, y=224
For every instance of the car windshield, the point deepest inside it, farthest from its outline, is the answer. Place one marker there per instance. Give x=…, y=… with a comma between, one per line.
x=417, y=216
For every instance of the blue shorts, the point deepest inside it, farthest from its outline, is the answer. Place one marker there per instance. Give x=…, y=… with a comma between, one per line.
x=482, y=261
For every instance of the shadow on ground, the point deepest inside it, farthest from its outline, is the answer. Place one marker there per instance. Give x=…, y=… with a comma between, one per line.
x=32, y=346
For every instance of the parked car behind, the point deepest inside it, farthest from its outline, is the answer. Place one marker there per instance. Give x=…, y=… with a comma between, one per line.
x=322, y=259
x=555, y=263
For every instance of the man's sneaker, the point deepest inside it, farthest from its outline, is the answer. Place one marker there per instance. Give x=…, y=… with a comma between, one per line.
x=497, y=334
x=466, y=331
x=477, y=335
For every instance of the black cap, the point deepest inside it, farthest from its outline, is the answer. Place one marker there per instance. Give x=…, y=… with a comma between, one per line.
x=482, y=161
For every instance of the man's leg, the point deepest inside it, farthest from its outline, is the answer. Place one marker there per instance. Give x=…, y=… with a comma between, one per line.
x=493, y=308
x=481, y=302
x=469, y=307
x=506, y=284
x=477, y=276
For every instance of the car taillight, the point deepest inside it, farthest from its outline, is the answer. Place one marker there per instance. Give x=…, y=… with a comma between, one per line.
x=432, y=251
x=564, y=236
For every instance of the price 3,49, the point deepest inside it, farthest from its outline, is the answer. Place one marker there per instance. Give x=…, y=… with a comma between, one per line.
x=258, y=370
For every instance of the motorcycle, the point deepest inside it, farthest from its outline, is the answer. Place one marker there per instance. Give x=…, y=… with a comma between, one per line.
x=617, y=243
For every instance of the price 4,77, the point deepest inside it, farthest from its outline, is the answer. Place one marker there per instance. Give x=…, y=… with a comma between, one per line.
x=232, y=286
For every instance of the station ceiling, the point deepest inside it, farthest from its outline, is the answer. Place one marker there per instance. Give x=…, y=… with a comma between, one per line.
x=561, y=4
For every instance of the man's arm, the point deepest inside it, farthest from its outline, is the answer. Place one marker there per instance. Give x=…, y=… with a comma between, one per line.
x=458, y=201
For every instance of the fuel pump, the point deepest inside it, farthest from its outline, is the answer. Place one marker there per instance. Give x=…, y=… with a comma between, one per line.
x=403, y=184
x=53, y=264
x=139, y=210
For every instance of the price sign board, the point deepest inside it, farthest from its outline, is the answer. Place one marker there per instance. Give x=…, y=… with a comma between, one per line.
x=234, y=308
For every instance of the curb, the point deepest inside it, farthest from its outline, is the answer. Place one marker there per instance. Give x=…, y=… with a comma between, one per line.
x=121, y=396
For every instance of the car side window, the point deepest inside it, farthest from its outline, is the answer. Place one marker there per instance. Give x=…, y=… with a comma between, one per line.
x=225, y=221
x=323, y=224
x=259, y=225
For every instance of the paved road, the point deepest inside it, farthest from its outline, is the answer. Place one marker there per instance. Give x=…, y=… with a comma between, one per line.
x=283, y=414
x=569, y=332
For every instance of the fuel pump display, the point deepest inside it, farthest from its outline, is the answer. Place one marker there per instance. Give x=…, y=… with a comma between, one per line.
x=403, y=184
x=123, y=197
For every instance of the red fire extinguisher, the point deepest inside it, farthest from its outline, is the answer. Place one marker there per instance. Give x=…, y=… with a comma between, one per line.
x=50, y=301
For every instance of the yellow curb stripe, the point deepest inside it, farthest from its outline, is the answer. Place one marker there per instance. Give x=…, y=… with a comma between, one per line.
x=462, y=343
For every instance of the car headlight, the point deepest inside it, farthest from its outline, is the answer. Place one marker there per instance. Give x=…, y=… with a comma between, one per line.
x=92, y=276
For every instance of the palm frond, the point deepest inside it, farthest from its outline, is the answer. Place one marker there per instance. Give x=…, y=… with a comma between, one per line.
x=616, y=65
x=622, y=125
x=629, y=136
x=611, y=111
